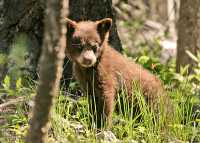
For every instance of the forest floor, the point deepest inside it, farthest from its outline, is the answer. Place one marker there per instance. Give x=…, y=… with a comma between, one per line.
x=70, y=115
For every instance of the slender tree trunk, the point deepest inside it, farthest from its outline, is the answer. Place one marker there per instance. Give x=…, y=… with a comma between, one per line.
x=171, y=9
x=158, y=10
x=51, y=61
x=188, y=32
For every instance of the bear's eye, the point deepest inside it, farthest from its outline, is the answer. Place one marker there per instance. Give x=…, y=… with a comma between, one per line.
x=94, y=48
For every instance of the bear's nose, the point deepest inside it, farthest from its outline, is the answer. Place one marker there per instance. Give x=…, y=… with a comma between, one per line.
x=87, y=61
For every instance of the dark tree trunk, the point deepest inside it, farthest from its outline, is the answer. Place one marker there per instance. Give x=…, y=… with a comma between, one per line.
x=16, y=17
x=51, y=62
x=188, y=32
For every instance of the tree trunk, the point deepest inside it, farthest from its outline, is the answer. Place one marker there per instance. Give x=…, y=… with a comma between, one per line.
x=188, y=32
x=51, y=62
x=158, y=10
x=16, y=17
x=171, y=17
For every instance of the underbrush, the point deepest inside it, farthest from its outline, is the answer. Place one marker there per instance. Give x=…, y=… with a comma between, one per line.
x=70, y=117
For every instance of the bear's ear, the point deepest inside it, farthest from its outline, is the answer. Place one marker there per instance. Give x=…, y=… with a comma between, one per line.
x=70, y=23
x=71, y=26
x=103, y=27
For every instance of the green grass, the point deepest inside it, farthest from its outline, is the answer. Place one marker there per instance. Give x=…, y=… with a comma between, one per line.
x=70, y=121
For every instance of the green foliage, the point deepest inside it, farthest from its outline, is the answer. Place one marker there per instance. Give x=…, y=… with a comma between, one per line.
x=8, y=89
x=18, y=51
x=3, y=59
x=135, y=24
x=189, y=83
x=15, y=116
x=16, y=60
x=165, y=73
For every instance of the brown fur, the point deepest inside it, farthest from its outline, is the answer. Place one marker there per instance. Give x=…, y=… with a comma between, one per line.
x=110, y=71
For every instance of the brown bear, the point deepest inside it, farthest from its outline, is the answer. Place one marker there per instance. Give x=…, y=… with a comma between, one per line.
x=102, y=71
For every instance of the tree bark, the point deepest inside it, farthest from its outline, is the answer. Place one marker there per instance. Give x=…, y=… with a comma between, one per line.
x=51, y=62
x=158, y=10
x=188, y=32
x=18, y=17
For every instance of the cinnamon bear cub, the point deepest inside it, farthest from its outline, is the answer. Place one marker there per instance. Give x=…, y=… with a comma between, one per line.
x=102, y=71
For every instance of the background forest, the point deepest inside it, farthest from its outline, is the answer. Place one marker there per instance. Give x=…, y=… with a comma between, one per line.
x=161, y=35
